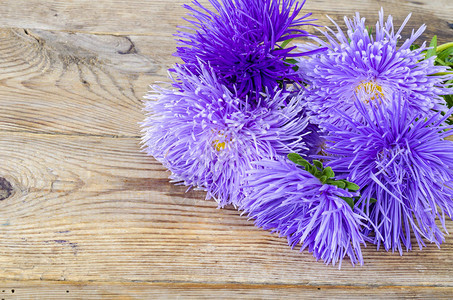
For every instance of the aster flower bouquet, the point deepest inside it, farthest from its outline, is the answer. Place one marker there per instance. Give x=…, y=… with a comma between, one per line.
x=335, y=144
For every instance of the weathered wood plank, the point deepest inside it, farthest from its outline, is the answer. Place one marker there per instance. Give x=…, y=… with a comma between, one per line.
x=173, y=290
x=161, y=17
x=95, y=208
x=56, y=82
x=86, y=215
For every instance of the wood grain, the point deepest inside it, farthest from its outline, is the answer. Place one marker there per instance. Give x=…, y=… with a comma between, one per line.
x=145, y=290
x=74, y=83
x=86, y=215
x=86, y=208
x=142, y=17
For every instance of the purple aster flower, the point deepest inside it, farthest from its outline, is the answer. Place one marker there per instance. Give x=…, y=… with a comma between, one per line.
x=292, y=202
x=240, y=40
x=404, y=165
x=314, y=140
x=371, y=66
x=208, y=137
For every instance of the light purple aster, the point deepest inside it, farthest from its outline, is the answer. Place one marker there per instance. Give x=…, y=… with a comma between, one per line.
x=368, y=63
x=405, y=163
x=208, y=137
x=240, y=40
x=292, y=202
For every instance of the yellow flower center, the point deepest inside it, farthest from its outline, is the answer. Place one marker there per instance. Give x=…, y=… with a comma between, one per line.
x=219, y=146
x=221, y=142
x=368, y=91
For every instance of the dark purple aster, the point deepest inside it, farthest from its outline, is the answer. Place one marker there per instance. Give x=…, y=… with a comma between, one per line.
x=314, y=140
x=208, y=137
x=295, y=204
x=370, y=64
x=240, y=40
x=404, y=163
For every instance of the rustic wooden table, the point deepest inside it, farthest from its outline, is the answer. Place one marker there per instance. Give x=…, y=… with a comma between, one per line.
x=85, y=214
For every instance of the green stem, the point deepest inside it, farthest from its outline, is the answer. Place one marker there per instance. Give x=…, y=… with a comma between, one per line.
x=444, y=46
x=442, y=73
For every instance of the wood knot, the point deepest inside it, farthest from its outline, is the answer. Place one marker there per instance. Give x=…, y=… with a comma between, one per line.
x=6, y=189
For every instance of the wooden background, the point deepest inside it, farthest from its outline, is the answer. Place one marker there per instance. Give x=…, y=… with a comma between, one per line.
x=85, y=215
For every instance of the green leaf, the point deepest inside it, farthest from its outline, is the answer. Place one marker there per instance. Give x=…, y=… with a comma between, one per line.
x=291, y=61
x=316, y=172
x=449, y=100
x=445, y=53
x=352, y=186
x=431, y=52
x=372, y=200
x=442, y=47
x=318, y=164
x=295, y=158
x=349, y=201
x=370, y=30
x=414, y=47
x=329, y=172
x=326, y=176
x=339, y=184
x=299, y=160
x=285, y=43
x=440, y=62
